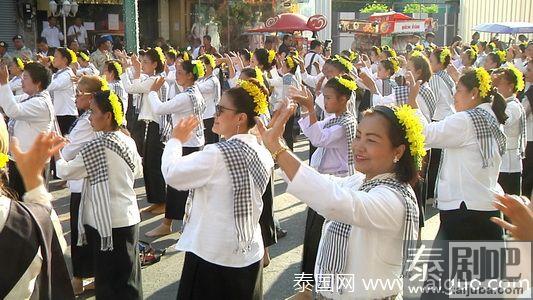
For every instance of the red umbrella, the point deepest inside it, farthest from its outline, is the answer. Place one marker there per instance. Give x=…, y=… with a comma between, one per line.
x=289, y=22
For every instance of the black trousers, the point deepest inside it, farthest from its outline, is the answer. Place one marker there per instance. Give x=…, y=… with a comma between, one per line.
x=527, y=173
x=464, y=224
x=511, y=182
x=201, y=280
x=65, y=122
x=82, y=256
x=15, y=182
x=210, y=136
x=266, y=220
x=433, y=170
x=176, y=200
x=117, y=273
x=152, y=148
x=313, y=232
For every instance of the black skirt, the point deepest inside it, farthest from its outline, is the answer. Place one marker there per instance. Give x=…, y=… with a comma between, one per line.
x=176, y=200
x=152, y=150
x=210, y=136
x=433, y=170
x=313, y=232
x=82, y=256
x=527, y=173
x=201, y=280
x=511, y=183
x=266, y=220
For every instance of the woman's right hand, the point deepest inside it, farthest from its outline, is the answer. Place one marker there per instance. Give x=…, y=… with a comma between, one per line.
x=136, y=63
x=158, y=83
x=303, y=97
x=271, y=134
x=184, y=129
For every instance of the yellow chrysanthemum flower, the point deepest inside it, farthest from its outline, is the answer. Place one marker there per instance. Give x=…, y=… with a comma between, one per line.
x=443, y=54
x=84, y=56
x=198, y=68
x=349, y=84
x=395, y=64
x=290, y=62
x=485, y=82
x=416, y=53
x=259, y=75
x=186, y=56
x=117, y=108
x=118, y=67
x=105, y=85
x=259, y=98
x=413, y=130
x=502, y=55
x=347, y=64
x=419, y=47
x=73, y=57
x=271, y=56
x=161, y=55
x=211, y=58
x=4, y=158
x=520, y=85
x=20, y=63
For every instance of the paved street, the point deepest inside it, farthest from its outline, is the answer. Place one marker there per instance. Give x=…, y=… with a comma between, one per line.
x=160, y=281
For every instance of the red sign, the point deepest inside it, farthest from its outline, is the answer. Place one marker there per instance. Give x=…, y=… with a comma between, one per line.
x=355, y=26
x=409, y=26
x=317, y=22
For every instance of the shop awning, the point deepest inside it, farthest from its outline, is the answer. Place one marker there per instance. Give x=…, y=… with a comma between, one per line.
x=391, y=16
x=288, y=22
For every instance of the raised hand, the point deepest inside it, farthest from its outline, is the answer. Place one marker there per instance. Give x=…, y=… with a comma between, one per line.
x=4, y=74
x=184, y=128
x=136, y=63
x=368, y=82
x=303, y=97
x=414, y=89
x=158, y=83
x=271, y=134
x=521, y=217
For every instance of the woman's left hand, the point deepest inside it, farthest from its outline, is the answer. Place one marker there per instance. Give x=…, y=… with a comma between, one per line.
x=521, y=217
x=184, y=128
x=271, y=134
x=4, y=75
x=158, y=83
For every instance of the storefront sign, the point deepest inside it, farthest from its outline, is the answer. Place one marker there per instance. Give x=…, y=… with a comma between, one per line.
x=409, y=26
x=355, y=26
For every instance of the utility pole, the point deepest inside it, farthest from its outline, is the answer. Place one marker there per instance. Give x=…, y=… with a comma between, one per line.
x=131, y=22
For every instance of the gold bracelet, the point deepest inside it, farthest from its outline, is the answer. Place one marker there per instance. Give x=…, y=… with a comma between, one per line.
x=278, y=152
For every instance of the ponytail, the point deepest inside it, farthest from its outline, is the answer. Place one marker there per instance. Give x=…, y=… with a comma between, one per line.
x=498, y=106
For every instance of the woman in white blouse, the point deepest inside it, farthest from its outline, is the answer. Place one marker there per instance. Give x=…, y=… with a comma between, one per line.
x=473, y=143
x=223, y=244
x=509, y=81
x=148, y=128
x=112, y=71
x=210, y=88
x=108, y=214
x=374, y=210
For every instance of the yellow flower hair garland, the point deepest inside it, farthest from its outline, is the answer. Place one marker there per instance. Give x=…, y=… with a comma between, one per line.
x=117, y=108
x=259, y=75
x=475, y=48
x=4, y=158
x=443, y=54
x=484, y=80
x=377, y=49
x=413, y=132
x=186, y=56
x=502, y=55
x=260, y=99
x=353, y=56
x=118, y=67
x=290, y=62
x=20, y=63
x=73, y=57
x=211, y=58
x=161, y=55
x=519, y=78
x=416, y=53
x=395, y=64
x=105, y=85
x=349, y=84
x=472, y=53
x=84, y=56
x=344, y=62
x=419, y=47
x=271, y=56
x=198, y=68
x=173, y=51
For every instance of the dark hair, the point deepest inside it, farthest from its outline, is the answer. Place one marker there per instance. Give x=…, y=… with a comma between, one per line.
x=421, y=63
x=38, y=74
x=207, y=37
x=437, y=53
x=472, y=55
x=430, y=34
x=101, y=99
x=245, y=54
x=470, y=81
x=249, y=72
x=188, y=67
x=314, y=44
x=388, y=53
x=376, y=50
x=206, y=61
x=244, y=103
x=261, y=55
x=456, y=38
x=66, y=54
x=406, y=169
x=495, y=58
x=153, y=56
x=286, y=37
x=483, y=44
x=508, y=75
x=338, y=87
x=387, y=64
x=110, y=66
x=42, y=40
x=172, y=54
x=51, y=17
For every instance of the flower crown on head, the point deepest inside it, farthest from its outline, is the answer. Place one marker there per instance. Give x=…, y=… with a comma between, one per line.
x=259, y=75
x=347, y=83
x=475, y=48
x=271, y=56
x=186, y=56
x=117, y=66
x=117, y=108
x=393, y=52
x=259, y=98
x=348, y=65
x=419, y=47
x=211, y=58
x=173, y=51
x=416, y=53
x=520, y=85
x=84, y=56
x=104, y=85
x=502, y=55
x=161, y=55
x=198, y=68
x=353, y=56
x=73, y=57
x=484, y=80
x=395, y=64
x=290, y=62
x=413, y=131
x=4, y=158
x=377, y=49
x=443, y=54
x=20, y=63
x=472, y=53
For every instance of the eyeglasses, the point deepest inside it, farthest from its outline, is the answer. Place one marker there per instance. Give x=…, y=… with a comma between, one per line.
x=220, y=109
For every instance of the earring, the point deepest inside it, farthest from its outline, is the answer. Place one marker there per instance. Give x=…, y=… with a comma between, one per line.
x=395, y=160
x=238, y=128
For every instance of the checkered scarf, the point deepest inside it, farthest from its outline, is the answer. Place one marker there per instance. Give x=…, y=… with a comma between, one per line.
x=487, y=130
x=401, y=94
x=334, y=242
x=96, y=185
x=198, y=107
x=447, y=79
x=348, y=122
x=522, y=139
x=242, y=162
x=429, y=98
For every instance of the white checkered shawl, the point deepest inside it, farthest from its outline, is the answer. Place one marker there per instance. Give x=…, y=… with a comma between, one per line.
x=388, y=86
x=334, y=242
x=198, y=107
x=401, y=94
x=242, y=162
x=96, y=185
x=349, y=123
x=522, y=139
x=487, y=131
x=447, y=80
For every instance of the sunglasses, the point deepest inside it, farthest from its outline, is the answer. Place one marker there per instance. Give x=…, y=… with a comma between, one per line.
x=80, y=93
x=220, y=109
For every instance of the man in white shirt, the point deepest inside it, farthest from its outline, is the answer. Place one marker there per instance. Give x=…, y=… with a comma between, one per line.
x=52, y=34
x=78, y=32
x=314, y=56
